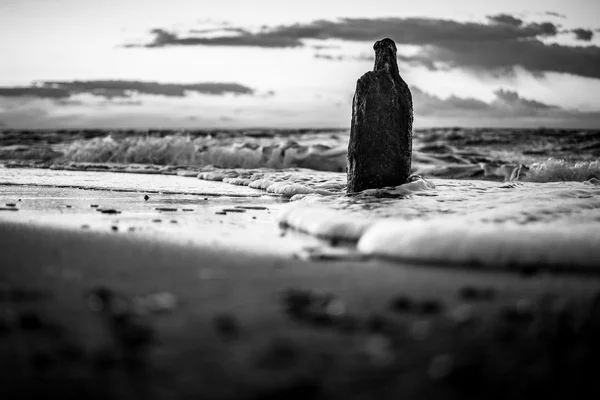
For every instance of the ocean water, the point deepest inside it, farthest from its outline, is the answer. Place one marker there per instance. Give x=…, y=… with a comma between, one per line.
x=479, y=197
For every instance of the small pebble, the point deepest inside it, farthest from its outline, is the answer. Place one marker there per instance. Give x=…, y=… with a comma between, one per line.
x=401, y=303
x=114, y=228
x=157, y=220
x=11, y=205
x=94, y=205
x=99, y=299
x=376, y=323
x=473, y=293
x=68, y=206
x=166, y=209
x=85, y=226
x=146, y=197
x=226, y=325
x=173, y=221
x=430, y=307
x=221, y=213
x=187, y=209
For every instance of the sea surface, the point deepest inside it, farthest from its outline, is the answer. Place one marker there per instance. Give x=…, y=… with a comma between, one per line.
x=481, y=197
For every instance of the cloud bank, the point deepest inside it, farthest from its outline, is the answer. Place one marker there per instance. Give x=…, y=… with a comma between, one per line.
x=501, y=43
x=110, y=89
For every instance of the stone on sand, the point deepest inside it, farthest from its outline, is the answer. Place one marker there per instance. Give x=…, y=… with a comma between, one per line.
x=380, y=147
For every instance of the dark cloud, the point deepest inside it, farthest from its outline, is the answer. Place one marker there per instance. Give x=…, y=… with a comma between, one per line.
x=39, y=92
x=223, y=29
x=62, y=90
x=497, y=46
x=506, y=19
x=506, y=104
x=532, y=55
x=164, y=38
x=419, y=31
x=585, y=35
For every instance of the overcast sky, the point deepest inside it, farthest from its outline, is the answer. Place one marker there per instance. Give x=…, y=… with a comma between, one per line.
x=243, y=63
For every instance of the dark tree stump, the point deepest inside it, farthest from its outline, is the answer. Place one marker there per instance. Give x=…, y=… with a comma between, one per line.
x=380, y=148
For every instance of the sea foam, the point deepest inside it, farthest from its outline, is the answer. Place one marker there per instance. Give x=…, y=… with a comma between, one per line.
x=494, y=246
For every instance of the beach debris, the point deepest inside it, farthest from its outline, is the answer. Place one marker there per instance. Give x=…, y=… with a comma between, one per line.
x=403, y=304
x=473, y=293
x=173, y=221
x=166, y=209
x=380, y=146
x=221, y=213
x=114, y=228
x=108, y=211
x=68, y=206
x=94, y=205
x=131, y=334
x=315, y=308
x=252, y=207
x=226, y=325
x=187, y=209
x=234, y=210
x=157, y=220
x=11, y=205
x=146, y=197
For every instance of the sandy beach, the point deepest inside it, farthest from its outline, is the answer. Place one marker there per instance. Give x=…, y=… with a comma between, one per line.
x=208, y=315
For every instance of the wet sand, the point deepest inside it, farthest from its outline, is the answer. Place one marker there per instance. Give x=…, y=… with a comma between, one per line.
x=198, y=320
